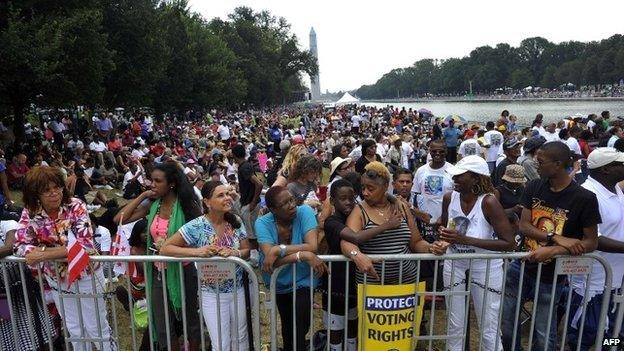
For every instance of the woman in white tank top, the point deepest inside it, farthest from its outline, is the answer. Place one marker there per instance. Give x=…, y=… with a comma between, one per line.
x=471, y=216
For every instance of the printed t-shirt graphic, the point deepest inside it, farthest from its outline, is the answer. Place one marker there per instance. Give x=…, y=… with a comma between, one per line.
x=434, y=185
x=547, y=219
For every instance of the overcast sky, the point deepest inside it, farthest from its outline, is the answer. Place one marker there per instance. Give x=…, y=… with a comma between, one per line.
x=359, y=41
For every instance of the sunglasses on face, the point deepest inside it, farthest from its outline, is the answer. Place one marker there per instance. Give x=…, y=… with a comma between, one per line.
x=372, y=174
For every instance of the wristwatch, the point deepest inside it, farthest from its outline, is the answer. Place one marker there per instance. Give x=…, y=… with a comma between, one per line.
x=353, y=253
x=282, y=248
x=550, y=238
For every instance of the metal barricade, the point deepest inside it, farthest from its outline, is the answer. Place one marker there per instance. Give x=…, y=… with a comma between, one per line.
x=477, y=282
x=30, y=317
x=618, y=302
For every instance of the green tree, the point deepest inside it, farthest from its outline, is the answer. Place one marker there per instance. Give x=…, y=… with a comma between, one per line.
x=268, y=54
x=135, y=36
x=531, y=54
x=51, y=52
x=521, y=78
x=216, y=79
x=548, y=80
x=535, y=62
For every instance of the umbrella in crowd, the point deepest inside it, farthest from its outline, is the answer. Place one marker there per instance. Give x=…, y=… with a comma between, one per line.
x=456, y=118
x=425, y=113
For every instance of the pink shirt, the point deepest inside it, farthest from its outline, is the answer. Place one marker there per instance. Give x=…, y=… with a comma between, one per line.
x=158, y=231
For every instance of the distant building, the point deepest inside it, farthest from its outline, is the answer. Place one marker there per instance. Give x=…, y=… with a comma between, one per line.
x=315, y=82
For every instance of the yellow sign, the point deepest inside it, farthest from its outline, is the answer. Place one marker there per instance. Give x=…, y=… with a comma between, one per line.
x=389, y=316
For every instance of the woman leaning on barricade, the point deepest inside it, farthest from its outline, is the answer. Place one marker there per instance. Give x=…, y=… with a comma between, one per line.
x=287, y=235
x=217, y=233
x=471, y=215
x=168, y=205
x=51, y=221
x=400, y=238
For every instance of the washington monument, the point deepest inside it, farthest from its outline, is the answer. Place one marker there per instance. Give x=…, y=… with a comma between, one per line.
x=314, y=81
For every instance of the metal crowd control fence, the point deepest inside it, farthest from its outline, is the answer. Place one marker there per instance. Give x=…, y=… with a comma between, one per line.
x=479, y=283
x=618, y=300
x=15, y=274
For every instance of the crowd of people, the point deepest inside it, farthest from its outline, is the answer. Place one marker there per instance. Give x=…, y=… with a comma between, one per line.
x=249, y=185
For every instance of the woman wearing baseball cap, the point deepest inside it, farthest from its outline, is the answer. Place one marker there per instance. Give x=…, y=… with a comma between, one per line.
x=471, y=215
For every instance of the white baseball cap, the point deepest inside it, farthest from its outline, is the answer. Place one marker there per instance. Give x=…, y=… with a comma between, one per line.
x=472, y=163
x=602, y=156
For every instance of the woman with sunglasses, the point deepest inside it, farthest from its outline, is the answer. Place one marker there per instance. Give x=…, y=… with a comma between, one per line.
x=376, y=210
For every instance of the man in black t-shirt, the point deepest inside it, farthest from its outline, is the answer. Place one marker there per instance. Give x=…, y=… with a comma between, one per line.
x=559, y=217
x=250, y=188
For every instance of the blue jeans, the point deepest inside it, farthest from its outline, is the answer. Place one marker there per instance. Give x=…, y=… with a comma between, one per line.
x=541, y=318
x=592, y=317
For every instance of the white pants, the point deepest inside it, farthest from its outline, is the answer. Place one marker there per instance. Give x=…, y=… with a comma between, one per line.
x=482, y=299
x=70, y=312
x=229, y=313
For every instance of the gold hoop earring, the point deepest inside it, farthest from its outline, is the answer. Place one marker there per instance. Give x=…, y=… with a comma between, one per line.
x=476, y=189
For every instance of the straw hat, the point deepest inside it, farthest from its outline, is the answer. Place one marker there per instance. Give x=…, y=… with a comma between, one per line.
x=335, y=163
x=394, y=138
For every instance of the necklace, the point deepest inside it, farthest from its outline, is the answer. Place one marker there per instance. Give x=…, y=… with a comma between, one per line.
x=380, y=212
x=513, y=191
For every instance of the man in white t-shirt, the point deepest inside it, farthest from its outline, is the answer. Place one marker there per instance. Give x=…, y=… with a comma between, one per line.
x=493, y=144
x=571, y=141
x=97, y=145
x=407, y=149
x=101, y=236
x=224, y=132
x=133, y=177
x=606, y=169
x=551, y=133
x=469, y=147
x=355, y=123
x=431, y=182
x=591, y=124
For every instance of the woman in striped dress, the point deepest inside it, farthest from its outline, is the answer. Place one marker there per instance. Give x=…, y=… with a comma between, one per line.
x=375, y=210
